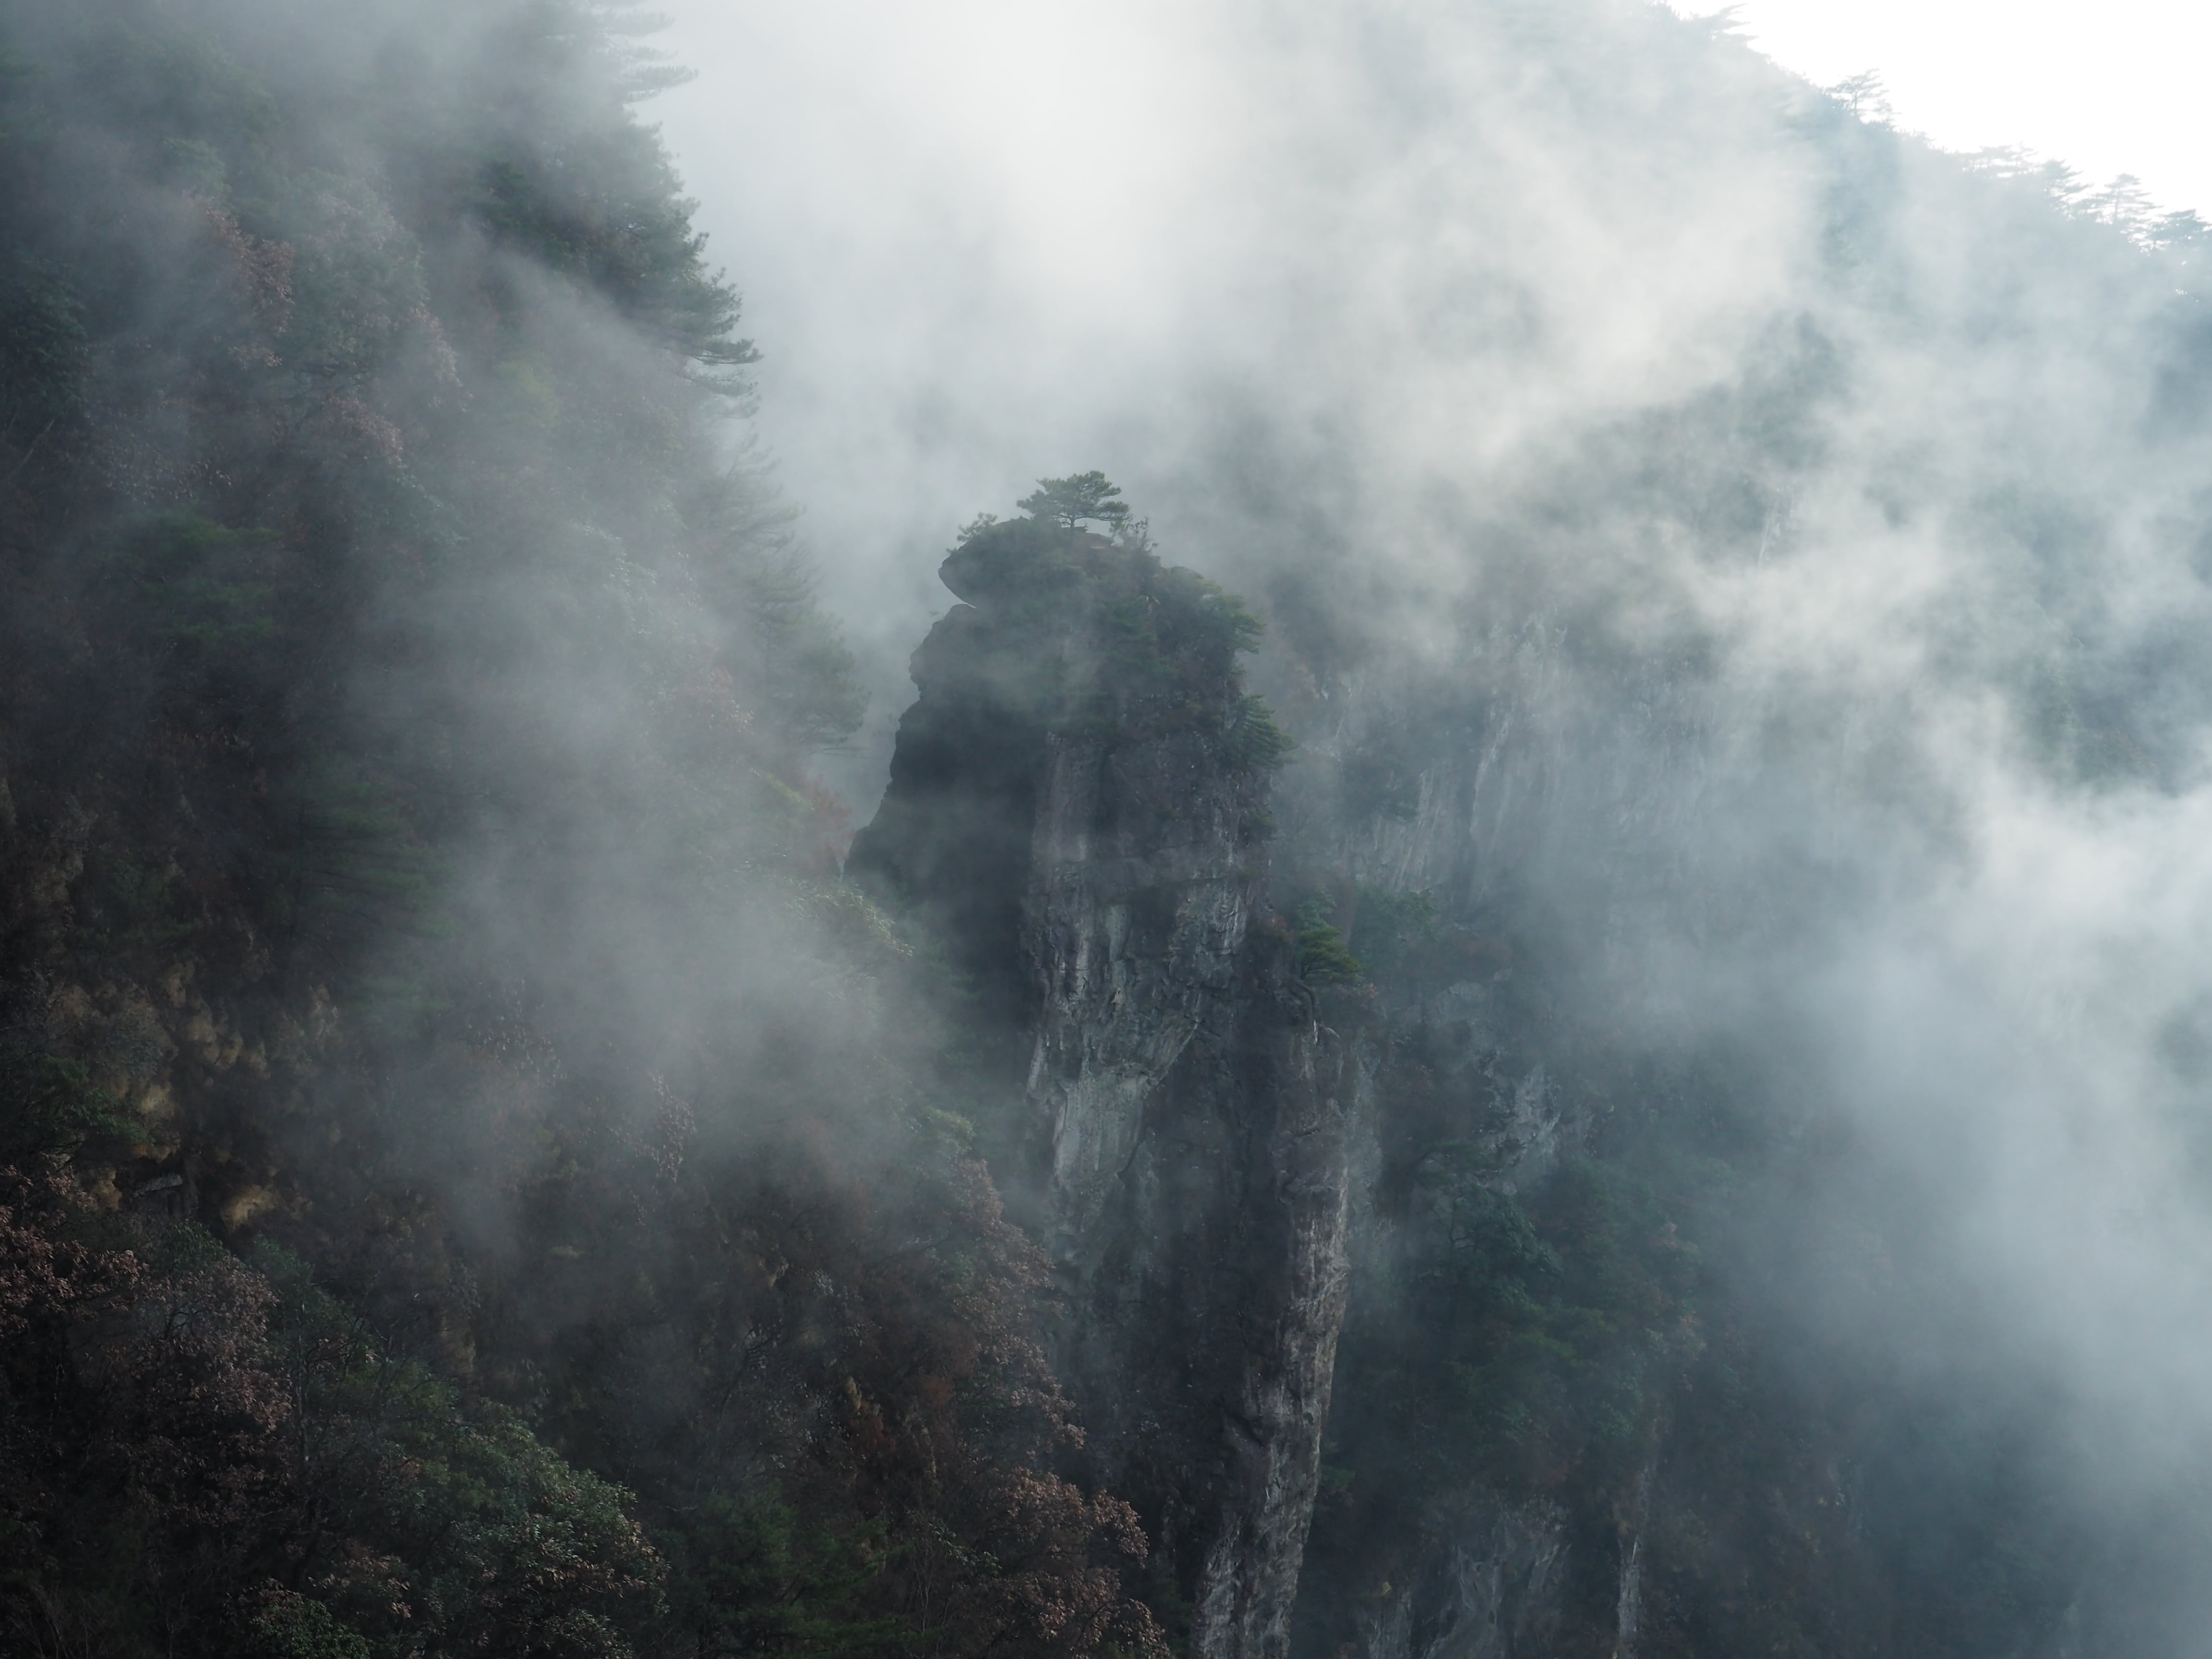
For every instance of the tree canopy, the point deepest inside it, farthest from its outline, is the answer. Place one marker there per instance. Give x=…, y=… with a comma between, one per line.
x=1081, y=498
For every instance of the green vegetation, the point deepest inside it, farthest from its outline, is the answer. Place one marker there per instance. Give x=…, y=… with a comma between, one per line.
x=49, y=1105
x=1323, y=957
x=1070, y=502
x=188, y=587
x=1255, y=742
x=765, y=1581
x=42, y=364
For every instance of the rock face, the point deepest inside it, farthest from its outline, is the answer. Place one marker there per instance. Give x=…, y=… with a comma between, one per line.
x=1508, y=811
x=1487, y=1589
x=1078, y=805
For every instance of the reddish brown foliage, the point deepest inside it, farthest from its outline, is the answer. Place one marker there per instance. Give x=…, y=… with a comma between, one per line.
x=905, y=1304
x=175, y=1427
x=44, y=1274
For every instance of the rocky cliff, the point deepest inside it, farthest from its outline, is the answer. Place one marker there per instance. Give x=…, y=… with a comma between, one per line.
x=1078, y=805
x=1568, y=1420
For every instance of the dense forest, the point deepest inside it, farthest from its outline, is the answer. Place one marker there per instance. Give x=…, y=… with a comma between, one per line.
x=1325, y=1122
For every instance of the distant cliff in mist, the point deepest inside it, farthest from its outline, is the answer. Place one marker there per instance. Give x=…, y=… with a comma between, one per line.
x=1325, y=1124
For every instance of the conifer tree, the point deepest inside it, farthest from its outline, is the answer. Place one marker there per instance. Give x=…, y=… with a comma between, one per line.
x=1080, y=497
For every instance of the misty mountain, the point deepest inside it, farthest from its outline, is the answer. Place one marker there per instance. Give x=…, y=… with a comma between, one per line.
x=1545, y=997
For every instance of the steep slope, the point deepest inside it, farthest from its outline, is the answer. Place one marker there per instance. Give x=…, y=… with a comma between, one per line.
x=1077, y=804
x=1569, y=1417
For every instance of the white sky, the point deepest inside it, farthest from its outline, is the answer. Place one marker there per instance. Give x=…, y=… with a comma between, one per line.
x=2118, y=87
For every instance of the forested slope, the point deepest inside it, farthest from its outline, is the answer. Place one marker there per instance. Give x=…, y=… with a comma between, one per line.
x=467, y=1189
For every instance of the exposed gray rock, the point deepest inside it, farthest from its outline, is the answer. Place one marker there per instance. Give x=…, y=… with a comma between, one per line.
x=1489, y=1587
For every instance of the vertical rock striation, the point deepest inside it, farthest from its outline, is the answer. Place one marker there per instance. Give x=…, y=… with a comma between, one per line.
x=1078, y=805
